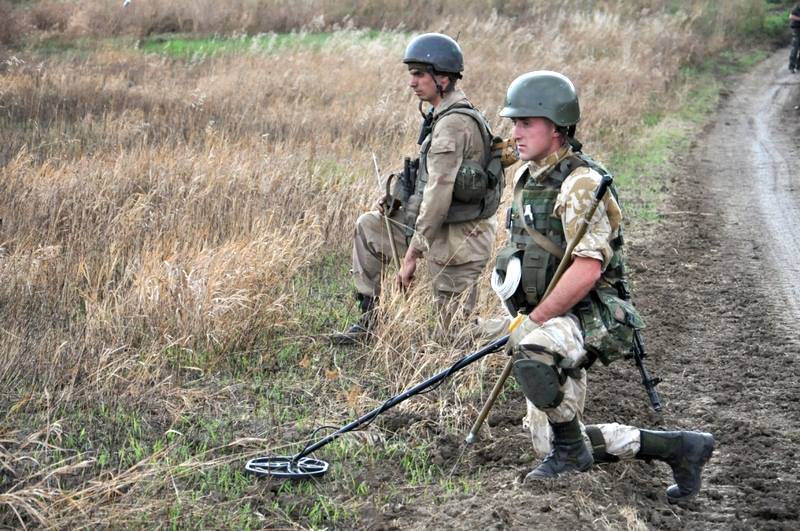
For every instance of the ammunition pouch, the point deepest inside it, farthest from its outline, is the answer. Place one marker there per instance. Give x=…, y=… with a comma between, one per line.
x=537, y=270
x=471, y=184
x=608, y=324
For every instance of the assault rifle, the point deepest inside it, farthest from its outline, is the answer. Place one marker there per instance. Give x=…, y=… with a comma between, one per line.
x=638, y=353
x=408, y=179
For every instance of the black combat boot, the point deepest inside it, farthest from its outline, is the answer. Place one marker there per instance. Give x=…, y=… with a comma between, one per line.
x=569, y=453
x=686, y=452
x=358, y=332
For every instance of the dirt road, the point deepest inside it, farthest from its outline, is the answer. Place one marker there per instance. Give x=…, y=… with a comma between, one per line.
x=720, y=287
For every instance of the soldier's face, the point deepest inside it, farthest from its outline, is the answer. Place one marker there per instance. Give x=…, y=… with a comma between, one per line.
x=536, y=137
x=422, y=84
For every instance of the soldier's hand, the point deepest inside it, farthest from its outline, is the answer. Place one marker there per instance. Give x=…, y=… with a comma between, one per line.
x=380, y=204
x=406, y=274
x=385, y=205
x=409, y=266
x=527, y=326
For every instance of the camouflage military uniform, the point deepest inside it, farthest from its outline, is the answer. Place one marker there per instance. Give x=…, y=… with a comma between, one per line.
x=552, y=198
x=457, y=253
x=563, y=335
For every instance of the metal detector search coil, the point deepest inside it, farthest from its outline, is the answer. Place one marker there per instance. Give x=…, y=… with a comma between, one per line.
x=287, y=467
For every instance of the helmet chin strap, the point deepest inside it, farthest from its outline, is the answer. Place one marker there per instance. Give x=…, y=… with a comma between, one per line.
x=439, y=88
x=576, y=145
x=568, y=133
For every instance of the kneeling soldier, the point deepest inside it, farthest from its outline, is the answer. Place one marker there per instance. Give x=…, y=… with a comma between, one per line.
x=584, y=318
x=444, y=204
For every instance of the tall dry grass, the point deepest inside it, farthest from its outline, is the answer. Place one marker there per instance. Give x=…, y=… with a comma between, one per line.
x=155, y=213
x=712, y=21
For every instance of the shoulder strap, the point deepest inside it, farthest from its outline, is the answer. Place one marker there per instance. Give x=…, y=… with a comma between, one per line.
x=483, y=126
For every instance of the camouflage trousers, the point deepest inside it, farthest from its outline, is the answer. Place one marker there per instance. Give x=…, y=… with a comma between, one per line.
x=621, y=441
x=794, y=54
x=455, y=287
x=562, y=336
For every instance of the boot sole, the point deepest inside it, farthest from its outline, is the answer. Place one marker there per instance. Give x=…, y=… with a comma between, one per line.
x=531, y=478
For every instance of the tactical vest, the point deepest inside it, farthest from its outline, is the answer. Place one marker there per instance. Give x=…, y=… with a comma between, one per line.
x=607, y=319
x=478, y=186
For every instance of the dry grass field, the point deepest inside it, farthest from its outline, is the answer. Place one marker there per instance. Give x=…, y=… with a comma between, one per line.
x=176, y=228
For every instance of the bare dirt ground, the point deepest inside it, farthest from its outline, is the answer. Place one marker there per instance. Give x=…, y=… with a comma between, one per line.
x=719, y=284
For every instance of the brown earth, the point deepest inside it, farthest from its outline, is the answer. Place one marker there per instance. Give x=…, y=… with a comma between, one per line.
x=720, y=287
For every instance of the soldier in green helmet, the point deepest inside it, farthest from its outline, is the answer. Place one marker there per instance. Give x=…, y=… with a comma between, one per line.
x=443, y=207
x=586, y=315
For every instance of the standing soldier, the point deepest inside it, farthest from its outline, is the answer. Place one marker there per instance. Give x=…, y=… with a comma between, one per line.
x=794, y=54
x=443, y=206
x=586, y=316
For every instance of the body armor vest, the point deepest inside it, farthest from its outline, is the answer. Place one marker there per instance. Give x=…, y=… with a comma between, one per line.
x=478, y=186
x=608, y=318
x=538, y=265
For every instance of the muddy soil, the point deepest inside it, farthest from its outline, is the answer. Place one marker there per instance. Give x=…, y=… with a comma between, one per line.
x=719, y=284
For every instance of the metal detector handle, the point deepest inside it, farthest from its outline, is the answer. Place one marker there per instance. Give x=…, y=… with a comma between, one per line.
x=566, y=260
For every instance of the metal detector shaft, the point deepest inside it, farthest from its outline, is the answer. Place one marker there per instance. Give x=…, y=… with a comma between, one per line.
x=566, y=260
x=494, y=346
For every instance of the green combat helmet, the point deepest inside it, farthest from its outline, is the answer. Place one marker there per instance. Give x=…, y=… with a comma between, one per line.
x=543, y=94
x=440, y=51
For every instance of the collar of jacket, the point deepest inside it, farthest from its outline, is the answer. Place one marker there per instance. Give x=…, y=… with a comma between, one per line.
x=450, y=99
x=550, y=160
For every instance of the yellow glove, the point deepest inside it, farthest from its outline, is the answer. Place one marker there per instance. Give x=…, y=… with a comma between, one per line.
x=519, y=333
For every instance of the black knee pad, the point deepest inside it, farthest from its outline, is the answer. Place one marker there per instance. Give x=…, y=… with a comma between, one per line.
x=540, y=383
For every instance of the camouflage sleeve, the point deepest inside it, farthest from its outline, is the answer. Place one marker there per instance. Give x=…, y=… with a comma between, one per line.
x=572, y=204
x=444, y=159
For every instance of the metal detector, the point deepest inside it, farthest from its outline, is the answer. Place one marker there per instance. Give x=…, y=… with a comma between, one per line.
x=300, y=466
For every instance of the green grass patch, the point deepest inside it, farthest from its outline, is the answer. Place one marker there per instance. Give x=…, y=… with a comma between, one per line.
x=187, y=47
x=641, y=165
x=775, y=24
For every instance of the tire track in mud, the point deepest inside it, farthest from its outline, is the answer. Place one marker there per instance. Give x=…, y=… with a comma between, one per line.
x=733, y=369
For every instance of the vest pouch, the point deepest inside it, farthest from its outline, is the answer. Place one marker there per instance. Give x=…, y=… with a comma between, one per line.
x=471, y=183
x=608, y=324
x=503, y=257
x=534, y=273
